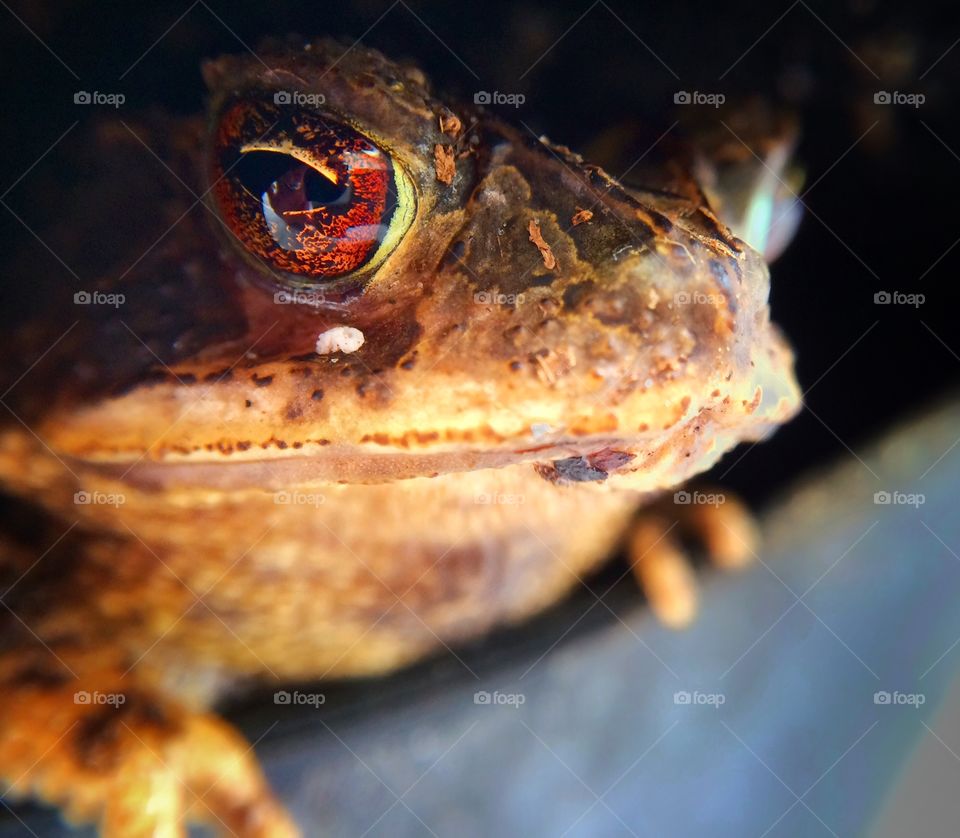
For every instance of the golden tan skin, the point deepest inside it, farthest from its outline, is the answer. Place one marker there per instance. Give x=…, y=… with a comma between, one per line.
x=262, y=512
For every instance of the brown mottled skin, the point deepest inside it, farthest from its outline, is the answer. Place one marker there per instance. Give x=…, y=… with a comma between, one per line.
x=485, y=447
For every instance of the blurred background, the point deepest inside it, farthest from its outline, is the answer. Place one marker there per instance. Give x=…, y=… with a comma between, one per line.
x=874, y=86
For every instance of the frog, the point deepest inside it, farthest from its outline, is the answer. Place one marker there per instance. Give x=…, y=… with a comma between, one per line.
x=357, y=374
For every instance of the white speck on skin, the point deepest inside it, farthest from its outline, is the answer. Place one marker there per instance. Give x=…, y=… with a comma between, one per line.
x=343, y=339
x=540, y=429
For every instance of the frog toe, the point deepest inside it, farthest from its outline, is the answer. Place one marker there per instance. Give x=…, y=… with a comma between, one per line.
x=108, y=750
x=717, y=521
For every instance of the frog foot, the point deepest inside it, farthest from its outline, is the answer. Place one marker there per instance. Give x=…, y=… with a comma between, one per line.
x=721, y=523
x=120, y=754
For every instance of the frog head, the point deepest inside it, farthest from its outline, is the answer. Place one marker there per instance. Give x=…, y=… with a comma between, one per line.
x=362, y=282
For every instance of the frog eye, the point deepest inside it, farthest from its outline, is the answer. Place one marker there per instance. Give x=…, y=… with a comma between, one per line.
x=307, y=195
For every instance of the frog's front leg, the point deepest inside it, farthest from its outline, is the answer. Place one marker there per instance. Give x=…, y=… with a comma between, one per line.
x=103, y=747
x=720, y=522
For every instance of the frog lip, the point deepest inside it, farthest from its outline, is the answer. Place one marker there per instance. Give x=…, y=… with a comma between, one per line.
x=670, y=433
x=644, y=461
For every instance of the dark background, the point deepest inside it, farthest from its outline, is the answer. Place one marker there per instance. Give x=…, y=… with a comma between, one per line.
x=883, y=216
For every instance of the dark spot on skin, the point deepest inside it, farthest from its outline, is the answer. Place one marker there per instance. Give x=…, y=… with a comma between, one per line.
x=266, y=381
x=513, y=334
x=298, y=445
x=281, y=444
x=576, y=292
x=410, y=362
x=346, y=372
x=516, y=366
x=317, y=395
x=220, y=375
x=247, y=403
x=593, y=467
x=99, y=737
x=243, y=446
x=456, y=327
x=310, y=356
x=608, y=459
x=37, y=676
x=723, y=280
x=571, y=469
x=379, y=439
x=294, y=411
x=187, y=378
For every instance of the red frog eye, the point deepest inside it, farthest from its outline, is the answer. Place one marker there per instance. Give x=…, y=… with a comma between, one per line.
x=305, y=194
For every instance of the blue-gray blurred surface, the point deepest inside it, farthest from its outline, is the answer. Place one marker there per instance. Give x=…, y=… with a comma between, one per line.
x=786, y=732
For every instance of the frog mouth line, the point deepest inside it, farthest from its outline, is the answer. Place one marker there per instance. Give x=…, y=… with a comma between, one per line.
x=690, y=446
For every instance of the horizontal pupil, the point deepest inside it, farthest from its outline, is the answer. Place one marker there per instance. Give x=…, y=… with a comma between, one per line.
x=288, y=183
